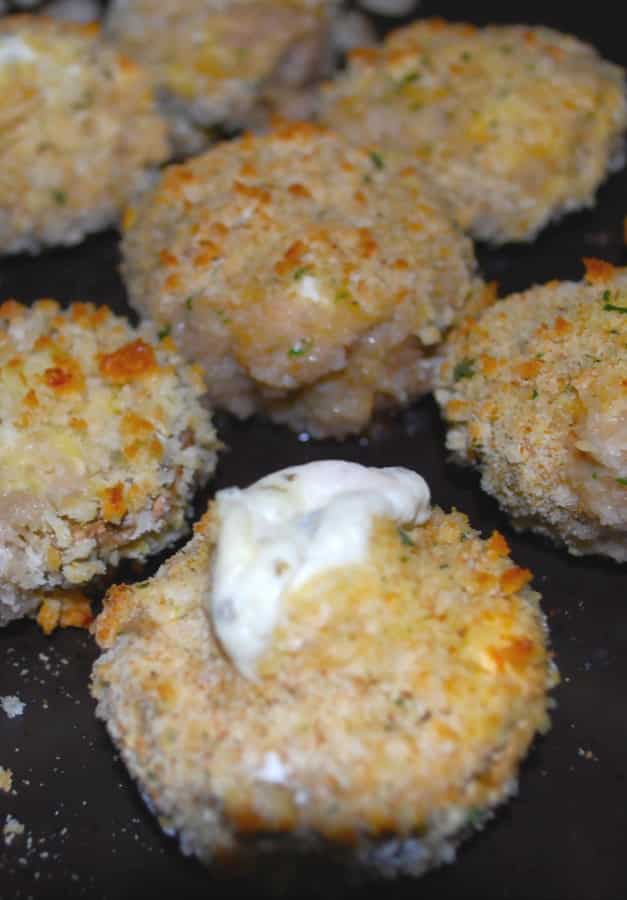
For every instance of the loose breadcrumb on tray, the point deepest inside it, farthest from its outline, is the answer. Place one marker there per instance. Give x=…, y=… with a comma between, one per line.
x=6, y=779
x=12, y=706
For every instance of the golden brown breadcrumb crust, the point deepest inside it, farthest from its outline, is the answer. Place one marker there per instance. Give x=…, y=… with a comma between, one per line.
x=535, y=393
x=312, y=280
x=225, y=62
x=392, y=709
x=80, y=132
x=103, y=440
x=517, y=125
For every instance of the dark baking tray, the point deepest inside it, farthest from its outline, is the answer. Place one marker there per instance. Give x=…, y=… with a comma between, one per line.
x=564, y=837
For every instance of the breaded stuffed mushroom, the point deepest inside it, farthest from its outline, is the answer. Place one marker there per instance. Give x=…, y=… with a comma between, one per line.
x=516, y=125
x=330, y=668
x=103, y=440
x=535, y=393
x=220, y=62
x=312, y=281
x=80, y=133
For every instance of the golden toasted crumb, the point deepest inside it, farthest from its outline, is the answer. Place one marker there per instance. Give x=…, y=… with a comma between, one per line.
x=517, y=125
x=64, y=609
x=6, y=779
x=80, y=132
x=226, y=62
x=391, y=709
x=314, y=299
x=84, y=478
x=546, y=423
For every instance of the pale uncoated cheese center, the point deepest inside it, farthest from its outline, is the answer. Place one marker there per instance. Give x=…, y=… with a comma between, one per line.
x=288, y=527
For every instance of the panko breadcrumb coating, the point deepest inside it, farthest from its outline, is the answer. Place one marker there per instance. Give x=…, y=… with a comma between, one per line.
x=535, y=393
x=389, y=717
x=103, y=440
x=516, y=125
x=312, y=281
x=80, y=132
x=218, y=62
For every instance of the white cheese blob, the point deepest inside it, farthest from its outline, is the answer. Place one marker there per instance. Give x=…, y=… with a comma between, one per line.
x=294, y=524
x=309, y=289
x=13, y=49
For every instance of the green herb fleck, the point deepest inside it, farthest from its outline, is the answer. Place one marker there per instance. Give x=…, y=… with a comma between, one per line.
x=164, y=332
x=405, y=538
x=59, y=197
x=612, y=307
x=301, y=271
x=622, y=481
x=402, y=698
x=377, y=159
x=475, y=817
x=595, y=475
x=408, y=79
x=342, y=294
x=188, y=302
x=300, y=348
x=535, y=394
x=466, y=56
x=465, y=368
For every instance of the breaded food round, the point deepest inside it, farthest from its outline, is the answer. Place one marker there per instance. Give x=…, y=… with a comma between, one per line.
x=517, y=125
x=312, y=281
x=103, y=440
x=80, y=133
x=389, y=715
x=535, y=393
x=218, y=61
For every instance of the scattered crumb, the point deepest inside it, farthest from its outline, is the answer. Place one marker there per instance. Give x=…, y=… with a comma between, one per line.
x=12, y=706
x=6, y=779
x=64, y=609
x=587, y=754
x=12, y=828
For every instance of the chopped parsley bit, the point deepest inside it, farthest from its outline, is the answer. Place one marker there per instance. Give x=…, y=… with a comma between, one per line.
x=408, y=79
x=377, y=159
x=535, y=394
x=342, y=294
x=465, y=368
x=405, y=538
x=188, y=301
x=301, y=271
x=475, y=817
x=612, y=307
x=300, y=348
x=59, y=197
x=466, y=56
x=622, y=481
x=595, y=475
x=164, y=332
